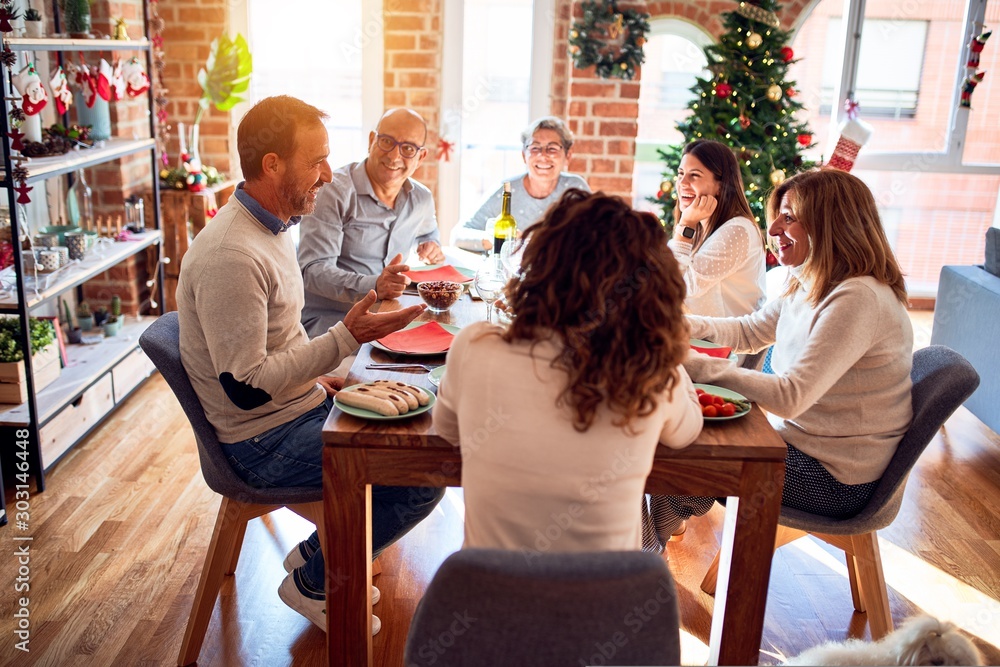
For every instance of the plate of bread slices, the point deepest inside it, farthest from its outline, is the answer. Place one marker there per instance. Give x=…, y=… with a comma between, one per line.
x=384, y=399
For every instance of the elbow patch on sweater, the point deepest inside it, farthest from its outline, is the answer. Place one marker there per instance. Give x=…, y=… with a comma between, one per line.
x=241, y=394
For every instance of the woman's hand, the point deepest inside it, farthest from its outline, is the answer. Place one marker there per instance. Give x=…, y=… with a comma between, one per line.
x=700, y=210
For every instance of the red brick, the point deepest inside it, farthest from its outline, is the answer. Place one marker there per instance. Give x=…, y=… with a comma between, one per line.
x=395, y=22
x=400, y=42
x=602, y=166
x=614, y=109
x=413, y=60
x=629, y=91
x=579, y=108
x=615, y=129
x=611, y=184
x=590, y=89
x=418, y=80
x=588, y=147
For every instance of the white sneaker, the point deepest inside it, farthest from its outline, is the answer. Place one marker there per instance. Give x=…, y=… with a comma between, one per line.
x=296, y=559
x=313, y=609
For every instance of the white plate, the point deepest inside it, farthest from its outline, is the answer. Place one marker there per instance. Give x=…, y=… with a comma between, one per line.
x=451, y=328
x=436, y=375
x=704, y=343
x=368, y=414
x=724, y=393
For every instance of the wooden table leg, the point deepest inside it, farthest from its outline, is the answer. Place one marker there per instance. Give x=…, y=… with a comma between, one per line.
x=745, y=568
x=347, y=515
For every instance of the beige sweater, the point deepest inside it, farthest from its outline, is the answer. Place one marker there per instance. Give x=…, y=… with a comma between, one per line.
x=239, y=298
x=531, y=482
x=840, y=391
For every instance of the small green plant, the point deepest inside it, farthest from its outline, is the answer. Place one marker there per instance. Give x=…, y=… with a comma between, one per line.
x=83, y=309
x=67, y=315
x=76, y=14
x=100, y=316
x=41, y=334
x=116, y=308
x=32, y=14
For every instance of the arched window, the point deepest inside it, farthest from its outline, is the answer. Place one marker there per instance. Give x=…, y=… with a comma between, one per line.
x=674, y=59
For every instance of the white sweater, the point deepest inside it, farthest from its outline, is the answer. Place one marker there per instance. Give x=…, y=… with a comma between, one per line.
x=531, y=481
x=840, y=391
x=725, y=278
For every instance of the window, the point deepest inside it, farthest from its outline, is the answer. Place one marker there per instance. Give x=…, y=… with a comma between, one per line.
x=674, y=60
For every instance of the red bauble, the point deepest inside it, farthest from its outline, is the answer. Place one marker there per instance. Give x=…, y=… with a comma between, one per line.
x=790, y=92
x=659, y=194
x=805, y=139
x=786, y=53
x=723, y=90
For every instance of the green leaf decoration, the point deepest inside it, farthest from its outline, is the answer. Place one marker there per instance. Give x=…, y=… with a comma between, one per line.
x=226, y=76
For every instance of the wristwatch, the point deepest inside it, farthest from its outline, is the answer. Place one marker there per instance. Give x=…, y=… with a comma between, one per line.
x=687, y=232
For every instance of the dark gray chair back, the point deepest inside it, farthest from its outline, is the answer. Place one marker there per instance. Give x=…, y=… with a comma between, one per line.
x=161, y=343
x=942, y=380
x=492, y=608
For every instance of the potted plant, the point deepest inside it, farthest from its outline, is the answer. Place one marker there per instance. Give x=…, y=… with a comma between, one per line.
x=84, y=317
x=114, y=322
x=76, y=15
x=32, y=23
x=44, y=358
x=100, y=316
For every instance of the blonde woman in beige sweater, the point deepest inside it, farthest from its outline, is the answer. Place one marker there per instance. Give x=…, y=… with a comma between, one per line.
x=843, y=346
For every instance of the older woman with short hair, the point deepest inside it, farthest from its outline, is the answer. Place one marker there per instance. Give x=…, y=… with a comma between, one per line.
x=843, y=348
x=559, y=415
x=547, y=146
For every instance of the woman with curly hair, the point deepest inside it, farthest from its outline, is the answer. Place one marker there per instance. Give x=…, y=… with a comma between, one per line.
x=558, y=416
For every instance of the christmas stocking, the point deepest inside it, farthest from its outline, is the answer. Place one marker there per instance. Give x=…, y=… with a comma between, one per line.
x=136, y=79
x=29, y=86
x=86, y=81
x=60, y=90
x=853, y=135
x=105, y=74
x=118, y=82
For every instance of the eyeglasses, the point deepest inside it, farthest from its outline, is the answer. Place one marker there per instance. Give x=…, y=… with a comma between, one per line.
x=406, y=149
x=551, y=150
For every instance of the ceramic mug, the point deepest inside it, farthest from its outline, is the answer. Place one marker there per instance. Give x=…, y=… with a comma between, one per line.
x=48, y=260
x=46, y=240
x=78, y=244
x=63, y=254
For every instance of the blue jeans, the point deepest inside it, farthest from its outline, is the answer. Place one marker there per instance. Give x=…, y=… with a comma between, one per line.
x=291, y=455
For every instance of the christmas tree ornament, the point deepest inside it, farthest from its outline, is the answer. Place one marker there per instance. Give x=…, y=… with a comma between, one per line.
x=29, y=85
x=85, y=80
x=8, y=57
x=609, y=39
x=790, y=92
x=968, y=87
x=118, y=81
x=121, y=29
x=666, y=187
x=136, y=79
x=16, y=139
x=774, y=92
x=786, y=54
x=854, y=133
x=744, y=121
x=976, y=47
x=754, y=40
x=61, y=93
x=6, y=16
x=777, y=177
x=759, y=14
x=105, y=74
x=804, y=139
x=723, y=90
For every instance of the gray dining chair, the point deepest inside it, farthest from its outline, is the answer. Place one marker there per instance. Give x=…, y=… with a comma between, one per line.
x=942, y=380
x=493, y=608
x=240, y=501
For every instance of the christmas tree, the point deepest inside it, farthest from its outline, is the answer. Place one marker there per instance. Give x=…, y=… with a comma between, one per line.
x=747, y=104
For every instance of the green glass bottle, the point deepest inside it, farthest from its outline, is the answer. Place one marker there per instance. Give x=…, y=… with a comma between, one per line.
x=505, y=228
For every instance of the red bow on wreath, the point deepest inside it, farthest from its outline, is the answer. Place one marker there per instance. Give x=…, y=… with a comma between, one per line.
x=444, y=149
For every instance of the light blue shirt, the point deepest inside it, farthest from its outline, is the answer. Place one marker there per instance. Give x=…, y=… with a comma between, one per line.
x=351, y=237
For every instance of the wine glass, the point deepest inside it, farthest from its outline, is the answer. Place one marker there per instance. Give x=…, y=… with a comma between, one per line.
x=489, y=283
x=510, y=257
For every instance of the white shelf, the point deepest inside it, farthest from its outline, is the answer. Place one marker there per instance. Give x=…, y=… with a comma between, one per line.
x=86, y=364
x=67, y=44
x=40, y=168
x=99, y=259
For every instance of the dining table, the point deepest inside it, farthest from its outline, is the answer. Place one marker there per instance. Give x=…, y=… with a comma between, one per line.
x=741, y=459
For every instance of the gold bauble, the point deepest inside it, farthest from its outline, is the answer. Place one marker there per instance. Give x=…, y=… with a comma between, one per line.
x=574, y=49
x=666, y=186
x=777, y=177
x=754, y=40
x=624, y=65
x=574, y=34
x=774, y=93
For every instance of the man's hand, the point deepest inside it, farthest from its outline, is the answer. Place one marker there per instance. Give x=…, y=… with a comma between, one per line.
x=366, y=327
x=390, y=284
x=331, y=384
x=430, y=252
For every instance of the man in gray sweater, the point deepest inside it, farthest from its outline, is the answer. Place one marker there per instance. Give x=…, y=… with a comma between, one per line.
x=256, y=372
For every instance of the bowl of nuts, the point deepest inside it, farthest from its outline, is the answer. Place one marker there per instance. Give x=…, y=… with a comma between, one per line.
x=440, y=295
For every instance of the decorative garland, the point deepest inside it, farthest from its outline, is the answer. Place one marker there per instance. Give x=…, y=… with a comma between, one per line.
x=758, y=14
x=594, y=40
x=156, y=27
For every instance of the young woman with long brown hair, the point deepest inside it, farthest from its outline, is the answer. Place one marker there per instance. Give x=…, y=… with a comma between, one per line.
x=558, y=416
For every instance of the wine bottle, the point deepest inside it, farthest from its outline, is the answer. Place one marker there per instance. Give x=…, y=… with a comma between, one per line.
x=506, y=227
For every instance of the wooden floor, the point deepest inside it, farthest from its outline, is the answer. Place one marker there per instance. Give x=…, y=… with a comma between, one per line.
x=121, y=531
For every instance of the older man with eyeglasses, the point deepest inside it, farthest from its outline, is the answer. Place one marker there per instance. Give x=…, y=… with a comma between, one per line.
x=367, y=222
x=546, y=148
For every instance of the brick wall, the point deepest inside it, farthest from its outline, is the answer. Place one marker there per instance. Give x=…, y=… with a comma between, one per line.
x=413, y=69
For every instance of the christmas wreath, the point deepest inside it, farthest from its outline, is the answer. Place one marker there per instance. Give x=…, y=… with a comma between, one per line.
x=609, y=39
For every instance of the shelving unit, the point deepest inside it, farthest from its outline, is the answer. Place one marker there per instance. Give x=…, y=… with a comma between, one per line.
x=96, y=377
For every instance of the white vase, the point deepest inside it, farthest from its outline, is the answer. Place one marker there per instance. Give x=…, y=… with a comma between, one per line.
x=34, y=29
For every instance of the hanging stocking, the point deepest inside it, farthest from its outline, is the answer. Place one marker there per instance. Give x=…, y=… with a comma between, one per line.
x=29, y=86
x=104, y=76
x=60, y=90
x=86, y=81
x=118, y=81
x=136, y=79
x=854, y=134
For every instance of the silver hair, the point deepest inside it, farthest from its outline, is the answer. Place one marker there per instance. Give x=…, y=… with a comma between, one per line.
x=548, y=123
